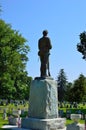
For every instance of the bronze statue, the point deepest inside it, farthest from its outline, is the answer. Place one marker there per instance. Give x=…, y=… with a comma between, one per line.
x=44, y=45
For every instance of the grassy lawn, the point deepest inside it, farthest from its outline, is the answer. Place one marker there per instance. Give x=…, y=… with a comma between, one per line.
x=74, y=110
x=2, y=122
x=68, y=121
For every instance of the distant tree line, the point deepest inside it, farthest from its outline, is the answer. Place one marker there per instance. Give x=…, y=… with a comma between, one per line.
x=76, y=91
x=72, y=92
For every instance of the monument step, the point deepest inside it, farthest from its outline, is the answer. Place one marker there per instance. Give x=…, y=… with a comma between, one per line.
x=44, y=124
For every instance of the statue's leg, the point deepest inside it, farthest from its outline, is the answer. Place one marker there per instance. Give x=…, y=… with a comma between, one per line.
x=48, y=68
x=47, y=65
x=43, y=66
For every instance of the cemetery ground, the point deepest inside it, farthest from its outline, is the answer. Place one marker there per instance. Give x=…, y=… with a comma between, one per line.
x=65, y=110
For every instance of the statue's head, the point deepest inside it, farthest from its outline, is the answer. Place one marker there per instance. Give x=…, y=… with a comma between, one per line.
x=45, y=32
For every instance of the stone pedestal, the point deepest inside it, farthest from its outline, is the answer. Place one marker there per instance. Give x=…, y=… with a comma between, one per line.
x=43, y=99
x=43, y=108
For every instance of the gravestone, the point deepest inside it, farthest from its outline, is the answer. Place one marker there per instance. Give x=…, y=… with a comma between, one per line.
x=79, y=112
x=75, y=126
x=43, y=108
x=22, y=112
x=75, y=117
x=4, y=114
x=15, y=112
x=68, y=113
x=61, y=113
x=75, y=105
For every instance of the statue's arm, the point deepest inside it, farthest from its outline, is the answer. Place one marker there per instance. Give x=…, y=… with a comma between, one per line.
x=39, y=44
x=50, y=45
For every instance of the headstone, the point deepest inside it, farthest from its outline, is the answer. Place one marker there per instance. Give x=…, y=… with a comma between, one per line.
x=75, y=126
x=75, y=105
x=67, y=106
x=15, y=113
x=19, y=112
x=19, y=122
x=75, y=117
x=84, y=116
x=12, y=120
x=68, y=113
x=4, y=114
x=61, y=105
x=70, y=105
x=22, y=112
x=79, y=112
x=61, y=113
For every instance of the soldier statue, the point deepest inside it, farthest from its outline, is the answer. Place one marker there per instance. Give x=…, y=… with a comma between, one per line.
x=44, y=46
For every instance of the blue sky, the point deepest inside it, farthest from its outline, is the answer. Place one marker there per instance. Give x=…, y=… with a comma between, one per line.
x=64, y=20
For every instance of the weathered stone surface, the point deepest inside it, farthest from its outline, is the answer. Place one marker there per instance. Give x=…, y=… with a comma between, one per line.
x=43, y=99
x=44, y=124
x=75, y=117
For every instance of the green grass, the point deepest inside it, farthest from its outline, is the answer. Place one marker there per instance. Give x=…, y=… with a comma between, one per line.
x=2, y=122
x=68, y=121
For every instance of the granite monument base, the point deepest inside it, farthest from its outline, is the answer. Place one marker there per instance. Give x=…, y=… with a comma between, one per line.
x=43, y=108
x=43, y=124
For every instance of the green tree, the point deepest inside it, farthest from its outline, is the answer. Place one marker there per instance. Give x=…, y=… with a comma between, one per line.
x=62, y=85
x=81, y=47
x=13, y=59
x=68, y=91
x=78, y=92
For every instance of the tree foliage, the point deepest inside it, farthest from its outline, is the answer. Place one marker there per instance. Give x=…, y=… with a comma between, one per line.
x=72, y=92
x=78, y=92
x=62, y=85
x=13, y=59
x=68, y=91
x=81, y=47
